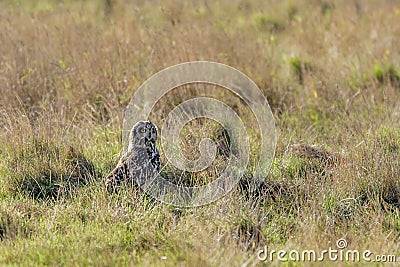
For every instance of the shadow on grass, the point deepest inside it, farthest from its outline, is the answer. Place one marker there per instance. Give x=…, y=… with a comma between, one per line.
x=43, y=170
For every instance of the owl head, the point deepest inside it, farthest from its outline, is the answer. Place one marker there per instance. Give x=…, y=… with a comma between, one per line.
x=142, y=134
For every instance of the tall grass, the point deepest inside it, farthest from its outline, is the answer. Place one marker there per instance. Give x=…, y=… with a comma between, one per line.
x=330, y=71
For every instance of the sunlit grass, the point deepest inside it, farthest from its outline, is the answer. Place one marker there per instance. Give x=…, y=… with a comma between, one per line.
x=329, y=69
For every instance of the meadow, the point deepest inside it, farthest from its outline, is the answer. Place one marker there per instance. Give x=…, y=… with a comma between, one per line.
x=330, y=70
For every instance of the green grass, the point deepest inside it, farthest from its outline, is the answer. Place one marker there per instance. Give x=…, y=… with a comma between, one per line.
x=68, y=69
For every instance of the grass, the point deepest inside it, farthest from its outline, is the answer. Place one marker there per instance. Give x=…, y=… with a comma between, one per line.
x=329, y=69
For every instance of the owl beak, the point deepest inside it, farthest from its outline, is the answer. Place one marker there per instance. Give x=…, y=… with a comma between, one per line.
x=148, y=139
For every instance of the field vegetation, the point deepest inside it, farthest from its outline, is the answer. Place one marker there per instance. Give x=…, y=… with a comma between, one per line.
x=330, y=70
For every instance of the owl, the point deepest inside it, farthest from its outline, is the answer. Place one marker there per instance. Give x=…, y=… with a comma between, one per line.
x=141, y=163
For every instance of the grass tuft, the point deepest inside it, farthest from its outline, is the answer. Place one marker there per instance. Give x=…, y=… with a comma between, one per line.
x=43, y=170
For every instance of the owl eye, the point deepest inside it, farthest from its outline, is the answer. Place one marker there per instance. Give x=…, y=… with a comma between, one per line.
x=142, y=130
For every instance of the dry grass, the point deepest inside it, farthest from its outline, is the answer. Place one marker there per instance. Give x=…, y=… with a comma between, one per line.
x=330, y=71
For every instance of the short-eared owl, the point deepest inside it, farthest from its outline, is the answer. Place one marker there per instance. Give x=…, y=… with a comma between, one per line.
x=142, y=160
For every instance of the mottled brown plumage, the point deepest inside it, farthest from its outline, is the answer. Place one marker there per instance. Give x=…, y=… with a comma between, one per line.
x=141, y=162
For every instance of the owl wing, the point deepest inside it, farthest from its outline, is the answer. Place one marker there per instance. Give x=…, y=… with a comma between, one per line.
x=123, y=171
